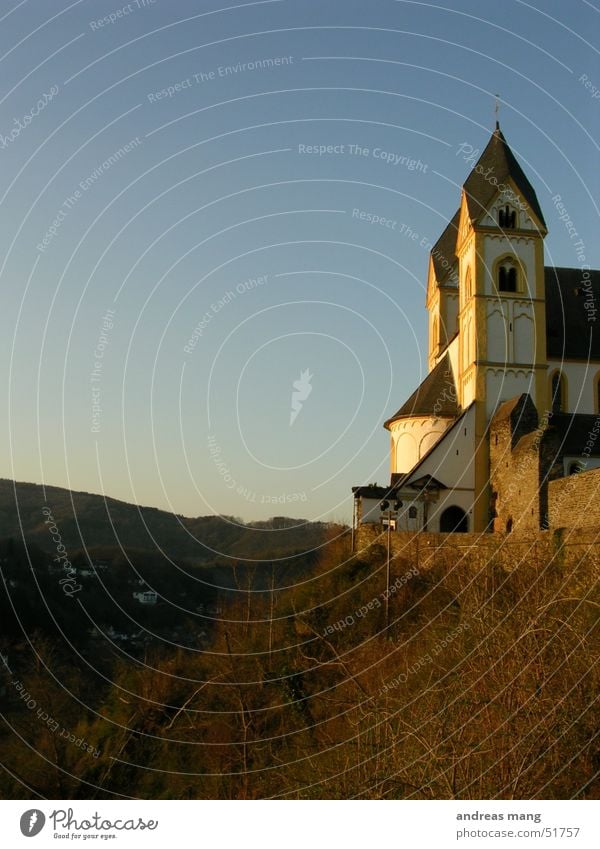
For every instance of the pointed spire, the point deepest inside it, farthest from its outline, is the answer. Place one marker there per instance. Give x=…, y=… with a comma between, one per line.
x=496, y=164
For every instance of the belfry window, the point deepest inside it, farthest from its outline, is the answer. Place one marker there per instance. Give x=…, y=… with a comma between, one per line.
x=507, y=218
x=507, y=277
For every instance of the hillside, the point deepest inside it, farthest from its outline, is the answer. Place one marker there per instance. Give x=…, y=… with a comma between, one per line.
x=84, y=520
x=457, y=669
x=479, y=680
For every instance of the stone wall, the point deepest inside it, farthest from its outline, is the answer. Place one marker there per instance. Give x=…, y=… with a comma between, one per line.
x=575, y=501
x=515, y=440
x=565, y=547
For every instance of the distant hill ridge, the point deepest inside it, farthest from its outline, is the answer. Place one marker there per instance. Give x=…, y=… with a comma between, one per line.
x=86, y=519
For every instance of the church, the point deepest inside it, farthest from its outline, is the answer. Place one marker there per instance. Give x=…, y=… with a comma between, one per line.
x=502, y=434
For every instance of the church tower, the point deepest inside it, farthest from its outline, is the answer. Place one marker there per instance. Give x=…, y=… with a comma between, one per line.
x=501, y=297
x=442, y=291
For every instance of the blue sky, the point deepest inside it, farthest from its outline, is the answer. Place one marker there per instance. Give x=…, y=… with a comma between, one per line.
x=194, y=168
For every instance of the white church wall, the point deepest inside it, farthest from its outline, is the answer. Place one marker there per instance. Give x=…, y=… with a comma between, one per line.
x=455, y=498
x=580, y=384
x=502, y=384
x=523, y=336
x=469, y=388
x=497, y=342
x=408, y=518
x=406, y=449
x=370, y=510
x=451, y=461
x=497, y=246
x=511, y=331
x=371, y=513
x=522, y=220
x=405, y=521
x=462, y=498
x=428, y=441
x=453, y=351
x=412, y=438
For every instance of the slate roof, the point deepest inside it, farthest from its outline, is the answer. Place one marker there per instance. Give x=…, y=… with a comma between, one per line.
x=436, y=396
x=443, y=253
x=574, y=430
x=497, y=160
x=570, y=334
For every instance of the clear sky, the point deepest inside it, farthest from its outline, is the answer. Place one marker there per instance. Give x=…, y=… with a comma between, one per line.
x=194, y=168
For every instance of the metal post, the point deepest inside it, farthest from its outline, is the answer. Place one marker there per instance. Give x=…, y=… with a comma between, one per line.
x=387, y=573
x=271, y=616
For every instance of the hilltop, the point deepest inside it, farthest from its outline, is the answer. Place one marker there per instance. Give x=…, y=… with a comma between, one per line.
x=85, y=519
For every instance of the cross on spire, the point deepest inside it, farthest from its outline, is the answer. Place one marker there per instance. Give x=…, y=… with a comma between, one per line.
x=497, y=111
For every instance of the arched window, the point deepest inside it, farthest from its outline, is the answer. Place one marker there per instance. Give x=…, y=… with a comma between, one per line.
x=435, y=331
x=507, y=276
x=507, y=217
x=557, y=393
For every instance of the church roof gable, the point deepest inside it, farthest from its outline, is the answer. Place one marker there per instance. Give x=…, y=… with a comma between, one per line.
x=495, y=166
